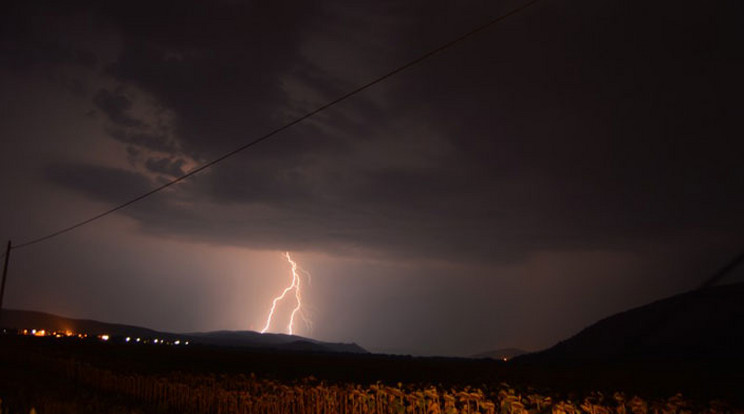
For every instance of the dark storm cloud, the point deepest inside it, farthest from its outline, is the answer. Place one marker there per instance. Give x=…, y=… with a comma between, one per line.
x=587, y=150
x=37, y=35
x=133, y=155
x=165, y=166
x=214, y=64
x=117, y=108
x=570, y=126
x=112, y=185
x=150, y=140
x=21, y=55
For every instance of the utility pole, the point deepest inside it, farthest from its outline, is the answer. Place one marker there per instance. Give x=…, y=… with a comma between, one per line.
x=5, y=275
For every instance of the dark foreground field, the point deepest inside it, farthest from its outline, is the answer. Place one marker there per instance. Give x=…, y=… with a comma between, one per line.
x=69, y=375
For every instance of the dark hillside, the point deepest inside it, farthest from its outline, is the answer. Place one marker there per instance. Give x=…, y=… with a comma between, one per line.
x=703, y=324
x=20, y=319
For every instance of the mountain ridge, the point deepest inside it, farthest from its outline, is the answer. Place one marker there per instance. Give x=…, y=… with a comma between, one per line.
x=696, y=324
x=502, y=353
x=23, y=319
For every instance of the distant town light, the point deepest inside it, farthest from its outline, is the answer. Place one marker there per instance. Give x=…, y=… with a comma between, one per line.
x=177, y=342
x=104, y=337
x=33, y=332
x=138, y=339
x=156, y=341
x=127, y=339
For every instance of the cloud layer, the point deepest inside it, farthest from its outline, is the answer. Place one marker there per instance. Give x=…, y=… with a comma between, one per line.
x=571, y=128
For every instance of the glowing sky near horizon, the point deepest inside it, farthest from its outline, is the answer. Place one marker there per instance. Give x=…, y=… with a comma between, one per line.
x=542, y=175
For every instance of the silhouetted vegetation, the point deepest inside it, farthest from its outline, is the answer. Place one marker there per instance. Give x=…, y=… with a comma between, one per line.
x=67, y=376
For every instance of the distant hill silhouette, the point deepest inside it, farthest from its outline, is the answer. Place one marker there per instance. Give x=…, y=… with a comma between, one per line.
x=702, y=324
x=507, y=353
x=20, y=319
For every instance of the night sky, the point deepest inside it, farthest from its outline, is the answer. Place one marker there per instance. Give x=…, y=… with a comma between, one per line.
x=573, y=161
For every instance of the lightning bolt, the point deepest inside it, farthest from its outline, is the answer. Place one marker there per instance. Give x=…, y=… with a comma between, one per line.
x=295, y=285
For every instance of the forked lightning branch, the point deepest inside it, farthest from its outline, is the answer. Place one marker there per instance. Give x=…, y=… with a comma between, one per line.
x=295, y=287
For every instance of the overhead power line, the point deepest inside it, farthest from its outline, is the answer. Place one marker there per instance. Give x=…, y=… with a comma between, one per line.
x=285, y=126
x=724, y=271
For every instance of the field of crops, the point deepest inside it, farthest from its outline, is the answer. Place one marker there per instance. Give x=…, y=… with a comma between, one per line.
x=54, y=379
x=243, y=394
